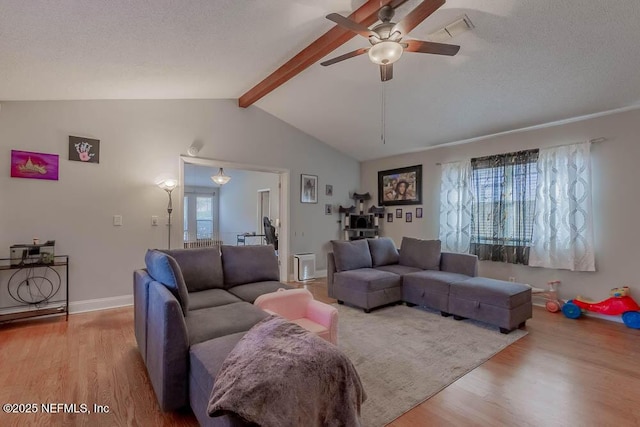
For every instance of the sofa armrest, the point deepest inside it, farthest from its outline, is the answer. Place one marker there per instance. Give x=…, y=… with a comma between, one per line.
x=325, y=315
x=141, y=280
x=167, y=348
x=331, y=270
x=459, y=263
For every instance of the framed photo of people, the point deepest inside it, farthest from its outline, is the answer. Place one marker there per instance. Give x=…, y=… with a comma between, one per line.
x=401, y=186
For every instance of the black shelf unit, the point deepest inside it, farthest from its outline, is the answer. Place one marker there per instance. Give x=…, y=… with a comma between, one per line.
x=20, y=277
x=359, y=224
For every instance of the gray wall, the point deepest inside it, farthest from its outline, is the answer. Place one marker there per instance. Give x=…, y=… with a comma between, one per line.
x=141, y=140
x=615, y=199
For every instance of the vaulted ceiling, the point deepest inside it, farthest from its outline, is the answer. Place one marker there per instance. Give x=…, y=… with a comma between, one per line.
x=524, y=63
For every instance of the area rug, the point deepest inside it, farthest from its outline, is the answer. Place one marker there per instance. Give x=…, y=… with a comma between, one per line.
x=406, y=355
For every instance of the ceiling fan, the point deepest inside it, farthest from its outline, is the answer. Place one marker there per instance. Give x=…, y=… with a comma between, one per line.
x=386, y=38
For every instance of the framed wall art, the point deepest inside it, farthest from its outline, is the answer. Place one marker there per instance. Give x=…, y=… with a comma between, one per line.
x=308, y=188
x=418, y=212
x=328, y=191
x=328, y=209
x=401, y=186
x=85, y=150
x=28, y=164
x=409, y=217
x=398, y=213
x=389, y=217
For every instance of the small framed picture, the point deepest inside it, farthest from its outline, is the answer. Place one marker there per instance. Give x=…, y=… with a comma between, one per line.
x=328, y=209
x=84, y=149
x=328, y=190
x=389, y=217
x=398, y=213
x=418, y=212
x=308, y=188
x=408, y=217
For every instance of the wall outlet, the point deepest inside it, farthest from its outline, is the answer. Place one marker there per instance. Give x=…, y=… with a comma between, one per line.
x=154, y=220
x=117, y=220
x=512, y=279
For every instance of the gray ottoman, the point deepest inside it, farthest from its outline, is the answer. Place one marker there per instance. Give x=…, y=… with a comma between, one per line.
x=504, y=304
x=367, y=288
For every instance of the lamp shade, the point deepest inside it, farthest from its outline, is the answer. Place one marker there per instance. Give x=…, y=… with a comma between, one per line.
x=385, y=53
x=220, y=178
x=168, y=184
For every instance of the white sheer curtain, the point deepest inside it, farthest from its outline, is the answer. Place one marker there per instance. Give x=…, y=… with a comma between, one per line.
x=563, y=230
x=455, y=206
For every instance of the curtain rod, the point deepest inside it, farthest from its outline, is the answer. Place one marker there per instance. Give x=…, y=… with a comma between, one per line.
x=592, y=141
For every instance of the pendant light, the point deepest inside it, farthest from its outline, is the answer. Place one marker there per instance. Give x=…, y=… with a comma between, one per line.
x=220, y=178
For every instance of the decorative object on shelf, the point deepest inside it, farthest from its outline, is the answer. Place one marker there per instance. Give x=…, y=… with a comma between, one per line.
x=36, y=253
x=328, y=190
x=328, y=209
x=358, y=223
x=401, y=186
x=398, y=213
x=85, y=150
x=27, y=164
x=308, y=188
x=220, y=178
x=418, y=212
x=168, y=185
x=408, y=217
x=389, y=217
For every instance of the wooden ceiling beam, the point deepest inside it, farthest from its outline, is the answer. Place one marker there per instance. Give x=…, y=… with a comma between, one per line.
x=366, y=14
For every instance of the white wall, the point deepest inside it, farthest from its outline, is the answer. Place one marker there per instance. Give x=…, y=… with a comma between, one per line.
x=139, y=141
x=239, y=203
x=616, y=201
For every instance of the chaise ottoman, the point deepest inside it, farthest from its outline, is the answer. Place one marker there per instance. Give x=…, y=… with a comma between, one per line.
x=504, y=304
x=367, y=288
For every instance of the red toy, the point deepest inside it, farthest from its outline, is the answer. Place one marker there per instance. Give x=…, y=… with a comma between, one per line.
x=620, y=303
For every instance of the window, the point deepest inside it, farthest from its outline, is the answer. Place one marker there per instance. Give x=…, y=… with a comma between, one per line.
x=503, y=206
x=200, y=211
x=204, y=217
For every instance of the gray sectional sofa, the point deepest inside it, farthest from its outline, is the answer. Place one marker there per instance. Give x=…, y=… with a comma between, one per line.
x=191, y=307
x=371, y=273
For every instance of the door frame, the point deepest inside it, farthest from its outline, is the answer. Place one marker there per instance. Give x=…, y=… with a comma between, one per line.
x=284, y=174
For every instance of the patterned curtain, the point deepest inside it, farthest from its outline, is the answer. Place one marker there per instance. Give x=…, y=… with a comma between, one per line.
x=504, y=201
x=563, y=229
x=455, y=207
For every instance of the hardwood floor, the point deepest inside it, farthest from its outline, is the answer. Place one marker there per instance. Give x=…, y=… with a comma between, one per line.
x=565, y=372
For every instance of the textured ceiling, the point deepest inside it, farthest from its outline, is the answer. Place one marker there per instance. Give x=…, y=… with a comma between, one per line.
x=525, y=63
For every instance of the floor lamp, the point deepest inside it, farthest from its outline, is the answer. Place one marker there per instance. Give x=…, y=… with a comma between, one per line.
x=169, y=185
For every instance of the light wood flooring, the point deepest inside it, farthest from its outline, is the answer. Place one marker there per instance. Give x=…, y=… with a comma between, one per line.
x=565, y=372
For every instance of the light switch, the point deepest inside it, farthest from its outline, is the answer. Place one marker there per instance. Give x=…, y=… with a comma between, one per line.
x=154, y=220
x=117, y=220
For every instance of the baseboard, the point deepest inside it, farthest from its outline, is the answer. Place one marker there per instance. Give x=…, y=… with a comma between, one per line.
x=617, y=319
x=319, y=274
x=100, y=304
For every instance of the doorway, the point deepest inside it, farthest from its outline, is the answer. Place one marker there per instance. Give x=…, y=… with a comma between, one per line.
x=230, y=219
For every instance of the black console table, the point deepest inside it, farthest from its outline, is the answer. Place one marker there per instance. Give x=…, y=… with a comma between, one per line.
x=34, y=288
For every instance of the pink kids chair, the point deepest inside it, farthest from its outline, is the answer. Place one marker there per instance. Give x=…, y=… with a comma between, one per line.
x=298, y=306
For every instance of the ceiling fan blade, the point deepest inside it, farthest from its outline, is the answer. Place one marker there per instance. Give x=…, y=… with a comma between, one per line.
x=345, y=56
x=351, y=25
x=417, y=15
x=430, y=47
x=386, y=72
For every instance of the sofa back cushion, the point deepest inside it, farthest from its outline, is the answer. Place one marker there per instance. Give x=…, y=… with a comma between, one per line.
x=201, y=268
x=383, y=251
x=351, y=255
x=424, y=254
x=249, y=264
x=165, y=269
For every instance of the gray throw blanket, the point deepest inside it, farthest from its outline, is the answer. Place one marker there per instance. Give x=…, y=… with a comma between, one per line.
x=281, y=375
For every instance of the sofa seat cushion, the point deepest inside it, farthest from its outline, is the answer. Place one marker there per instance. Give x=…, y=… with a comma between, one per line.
x=432, y=281
x=206, y=359
x=211, y=298
x=251, y=291
x=423, y=254
x=248, y=264
x=499, y=293
x=398, y=269
x=214, y=322
x=383, y=251
x=351, y=255
x=201, y=267
x=366, y=280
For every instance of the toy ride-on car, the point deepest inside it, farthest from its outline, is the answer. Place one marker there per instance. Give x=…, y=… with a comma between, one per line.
x=620, y=303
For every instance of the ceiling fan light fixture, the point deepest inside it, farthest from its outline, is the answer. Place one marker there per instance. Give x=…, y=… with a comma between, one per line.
x=220, y=178
x=386, y=52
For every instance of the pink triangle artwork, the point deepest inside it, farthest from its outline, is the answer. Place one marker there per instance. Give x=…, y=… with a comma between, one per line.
x=27, y=164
